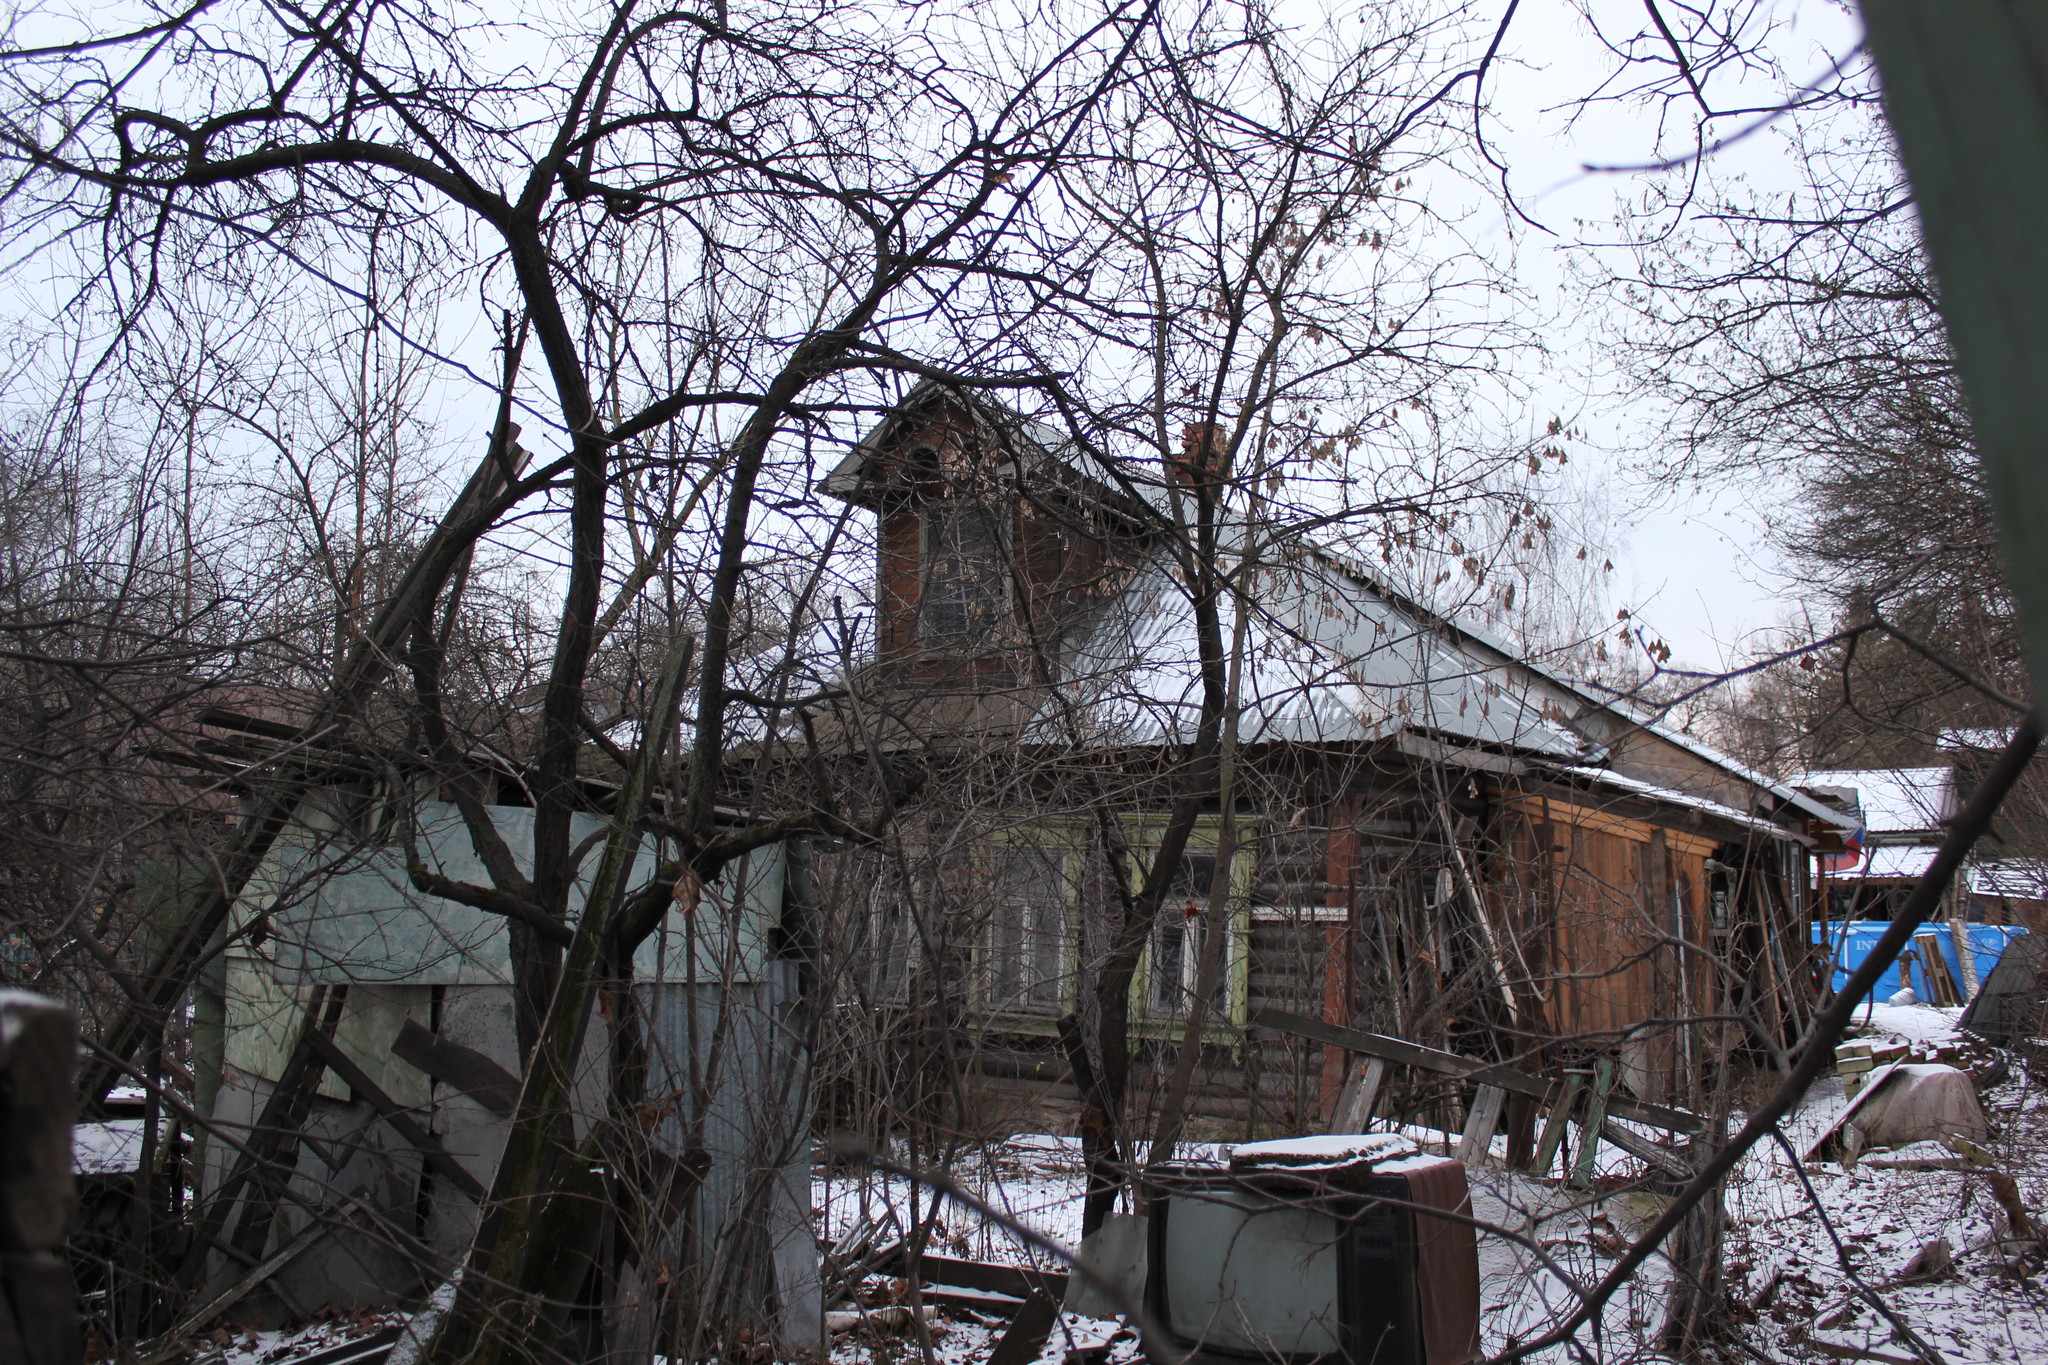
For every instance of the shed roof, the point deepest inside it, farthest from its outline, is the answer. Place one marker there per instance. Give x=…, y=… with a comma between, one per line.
x=1893, y=802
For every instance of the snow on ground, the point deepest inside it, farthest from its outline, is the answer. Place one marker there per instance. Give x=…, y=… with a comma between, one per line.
x=242, y=1346
x=1913, y=1023
x=1778, y=1255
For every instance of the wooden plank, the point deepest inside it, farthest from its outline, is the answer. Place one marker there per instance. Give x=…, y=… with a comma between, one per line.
x=1465, y=1068
x=1642, y=1148
x=1596, y=1118
x=272, y=1149
x=1934, y=963
x=1029, y=1331
x=452, y=1064
x=1550, y=809
x=173, y=1342
x=1554, y=1125
x=1361, y=1091
x=1019, y=1282
x=1476, y=1144
x=394, y=1114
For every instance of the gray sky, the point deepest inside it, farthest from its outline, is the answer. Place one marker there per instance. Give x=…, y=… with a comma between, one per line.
x=1697, y=569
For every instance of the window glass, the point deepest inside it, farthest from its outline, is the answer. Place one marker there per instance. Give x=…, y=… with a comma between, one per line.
x=963, y=579
x=1177, y=941
x=1027, y=937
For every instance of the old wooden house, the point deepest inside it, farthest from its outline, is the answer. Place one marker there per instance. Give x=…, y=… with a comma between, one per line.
x=1428, y=835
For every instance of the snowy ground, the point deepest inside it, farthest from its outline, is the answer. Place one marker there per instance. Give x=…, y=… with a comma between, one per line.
x=239, y=1346
x=1795, y=1294
x=1779, y=1255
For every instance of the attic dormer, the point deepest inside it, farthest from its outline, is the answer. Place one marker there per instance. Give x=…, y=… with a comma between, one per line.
x=987, y=541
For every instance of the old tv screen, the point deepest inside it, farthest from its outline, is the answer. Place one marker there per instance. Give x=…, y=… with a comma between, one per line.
x=1251, y=1267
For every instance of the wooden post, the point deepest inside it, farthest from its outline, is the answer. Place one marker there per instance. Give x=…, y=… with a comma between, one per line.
x=1476, y=1143
x=1361, y=1091
x=1596, y=1115
x=1554, y=1125
x=38, y=1050
x=1340, y=869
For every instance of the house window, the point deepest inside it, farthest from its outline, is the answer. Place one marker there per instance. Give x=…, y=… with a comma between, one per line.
x=1176, y=957
x=1026, y=961
x=888, y=947
x=963, y=596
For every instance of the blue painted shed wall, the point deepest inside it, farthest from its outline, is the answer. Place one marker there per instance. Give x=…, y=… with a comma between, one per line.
x=1853, y=940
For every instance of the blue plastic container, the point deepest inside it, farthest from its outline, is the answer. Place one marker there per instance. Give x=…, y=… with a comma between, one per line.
x=1852, y=942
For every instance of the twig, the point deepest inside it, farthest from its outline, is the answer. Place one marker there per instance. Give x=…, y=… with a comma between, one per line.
x=1863, y=1291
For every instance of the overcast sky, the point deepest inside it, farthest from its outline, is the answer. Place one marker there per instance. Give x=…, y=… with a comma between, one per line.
x=1698, y=569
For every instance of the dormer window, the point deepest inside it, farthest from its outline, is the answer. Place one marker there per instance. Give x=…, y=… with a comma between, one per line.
x=965, y=591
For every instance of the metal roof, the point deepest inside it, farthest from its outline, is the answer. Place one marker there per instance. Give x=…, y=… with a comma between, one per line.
x=1327, y=660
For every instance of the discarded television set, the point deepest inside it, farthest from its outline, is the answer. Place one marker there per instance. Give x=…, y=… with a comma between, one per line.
x=1323, y=1268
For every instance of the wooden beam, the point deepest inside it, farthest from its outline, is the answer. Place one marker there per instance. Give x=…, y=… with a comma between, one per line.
x=1361, y=1091
x=1465, y=1068
x=1555, y=1124
x=1475, y=1145
x=173, y=1342
x=395, y=1114
x=1595, y=1120
x=452, y=1064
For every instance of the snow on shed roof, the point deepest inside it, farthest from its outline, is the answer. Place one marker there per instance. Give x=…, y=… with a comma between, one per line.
x=1608, y=778
x=1587, y=696
x=1893, y=801
x=2024, y=881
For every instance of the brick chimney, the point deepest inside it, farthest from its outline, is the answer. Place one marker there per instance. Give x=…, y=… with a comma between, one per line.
x=1201, y=455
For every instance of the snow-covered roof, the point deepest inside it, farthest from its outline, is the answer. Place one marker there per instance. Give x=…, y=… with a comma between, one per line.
x=1607, y=777
x=1893, y=801
x=1892, y=860
x=1980, y=740
x=2021, y=881
x=1328, y=659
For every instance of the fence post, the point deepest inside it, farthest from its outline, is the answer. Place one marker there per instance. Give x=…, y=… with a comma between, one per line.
x=38, y=1300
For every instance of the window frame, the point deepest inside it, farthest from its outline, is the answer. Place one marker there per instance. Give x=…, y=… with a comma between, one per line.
x=1144, y=836
x=931, y=521
x=1068, y=903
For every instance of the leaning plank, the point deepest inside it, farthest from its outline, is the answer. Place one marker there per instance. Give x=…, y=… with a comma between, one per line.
x=1554, y=1126
x=1028, y=1333
x=172, y=1342
x=452, y=1064
x=1361, y=1090
x=394, y=1114
x=1477, y=1141
x=1466, y=1068
x=272, y=1149
x=1596, y=1119
x=1642, y=1148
